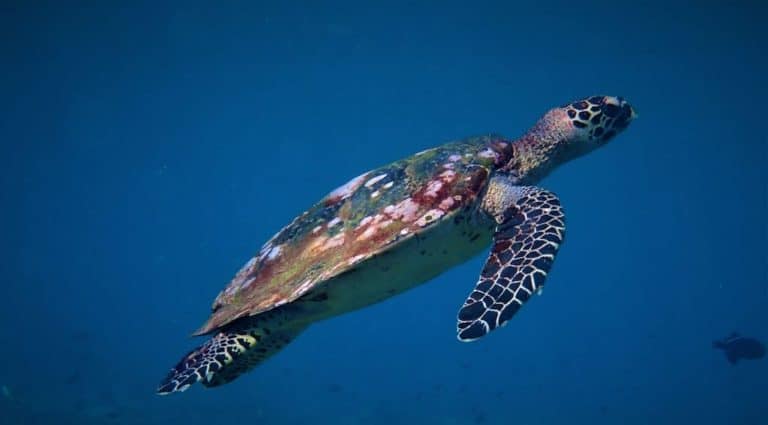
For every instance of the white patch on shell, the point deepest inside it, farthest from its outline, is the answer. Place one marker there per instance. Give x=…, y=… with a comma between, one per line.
x=454, y=158
x=264, y=248
x=300, y=290
x=429, y=217
x=334, y=222
x=404, y=231
x=347, y=189
x=247, y=283
x=355, y=259
x=317, y=229
x=388, y=185
x=274, y=252
x=367, y=233
x=448, y=166
x=371, y=221
x=379, y=222
x=241, y=279
x=317, y=243
x=248, y=266
x=448, y=175
x=375, y=180
x=375, y=194
x=365, y=221
x=424, y=151
x=488, y=153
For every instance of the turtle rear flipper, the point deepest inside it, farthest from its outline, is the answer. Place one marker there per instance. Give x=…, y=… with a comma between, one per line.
x=230, y=353
x=732, y=356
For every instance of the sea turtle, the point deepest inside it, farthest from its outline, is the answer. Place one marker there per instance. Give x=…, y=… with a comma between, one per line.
x=401, y=225
x=737, y=347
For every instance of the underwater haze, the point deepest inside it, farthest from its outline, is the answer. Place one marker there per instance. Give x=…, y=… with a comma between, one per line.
x=149, y=149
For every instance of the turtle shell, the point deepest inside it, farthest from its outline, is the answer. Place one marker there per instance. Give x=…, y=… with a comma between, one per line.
x=370, y=214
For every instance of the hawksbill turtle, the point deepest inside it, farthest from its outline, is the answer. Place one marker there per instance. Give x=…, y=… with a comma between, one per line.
x=399, y=226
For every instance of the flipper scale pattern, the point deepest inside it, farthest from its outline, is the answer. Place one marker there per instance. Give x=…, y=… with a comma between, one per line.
x=526, y=240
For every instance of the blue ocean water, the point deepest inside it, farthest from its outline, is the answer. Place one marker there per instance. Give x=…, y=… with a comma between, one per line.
x=148, y=150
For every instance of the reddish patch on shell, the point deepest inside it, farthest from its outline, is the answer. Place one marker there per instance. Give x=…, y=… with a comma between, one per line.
x=373, y=226
x=446, y=203
x=404, y=210
x=317, y=243
x=433, y=188
x=438, y=194
x=333, y=242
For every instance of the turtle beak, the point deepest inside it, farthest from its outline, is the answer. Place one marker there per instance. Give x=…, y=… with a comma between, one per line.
x=621, y=110
x=621, y=106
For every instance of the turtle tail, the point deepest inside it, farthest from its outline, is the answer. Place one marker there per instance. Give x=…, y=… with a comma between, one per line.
x=230, y=353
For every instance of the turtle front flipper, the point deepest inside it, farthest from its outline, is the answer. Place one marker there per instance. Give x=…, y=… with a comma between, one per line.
x=530, y=229
x=233, y=351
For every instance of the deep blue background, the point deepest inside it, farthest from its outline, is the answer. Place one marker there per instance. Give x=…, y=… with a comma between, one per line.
x=148, y=150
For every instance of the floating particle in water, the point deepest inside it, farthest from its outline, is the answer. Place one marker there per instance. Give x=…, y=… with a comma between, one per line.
x=72, y=378
x=478, y=416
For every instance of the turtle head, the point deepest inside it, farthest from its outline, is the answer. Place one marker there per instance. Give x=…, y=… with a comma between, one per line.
x=568, y=132
x=594, y=121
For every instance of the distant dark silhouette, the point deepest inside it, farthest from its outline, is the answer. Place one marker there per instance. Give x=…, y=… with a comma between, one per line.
x=737, y=347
